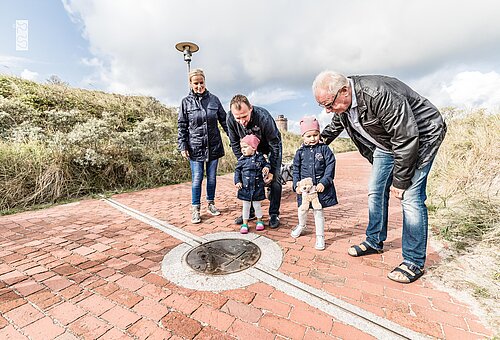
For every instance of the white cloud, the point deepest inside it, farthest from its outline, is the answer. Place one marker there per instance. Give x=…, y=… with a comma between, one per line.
x=29, y=75
x=247, y=46
x=10, y=64
x=461, y=89
x=270, y=96
x=475, y=89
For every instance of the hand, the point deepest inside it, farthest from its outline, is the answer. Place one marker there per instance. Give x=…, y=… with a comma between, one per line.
x=185, y=154
x=268, y=179
x=238, y=186
x=320, y=187
x=265, y=171
x=397, y=192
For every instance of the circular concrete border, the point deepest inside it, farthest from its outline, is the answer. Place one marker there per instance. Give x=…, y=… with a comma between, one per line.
x=175, y=268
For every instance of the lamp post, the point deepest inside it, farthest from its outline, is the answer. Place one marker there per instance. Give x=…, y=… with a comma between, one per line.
x=187, y=48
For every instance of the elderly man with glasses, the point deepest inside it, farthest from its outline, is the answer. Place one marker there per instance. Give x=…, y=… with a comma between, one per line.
x=399, y=132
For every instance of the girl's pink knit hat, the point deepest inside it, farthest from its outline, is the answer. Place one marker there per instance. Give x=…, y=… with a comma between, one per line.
x=308, y=124
x=251, y=140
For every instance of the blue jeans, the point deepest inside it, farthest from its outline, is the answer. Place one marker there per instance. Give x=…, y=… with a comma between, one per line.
x=415, y=220
x=197, y=169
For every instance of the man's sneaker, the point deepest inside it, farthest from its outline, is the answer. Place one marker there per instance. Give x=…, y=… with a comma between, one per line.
x=320, y=242
x=274, y=221
x=244, y=229
x=195, y=217
x=239, y=219
x=212, y=209
x=297, y=231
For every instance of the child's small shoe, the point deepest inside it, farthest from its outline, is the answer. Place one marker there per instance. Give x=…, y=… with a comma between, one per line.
x=320, y=242
x=244, y=229
x=297, y=231
x=260, y=226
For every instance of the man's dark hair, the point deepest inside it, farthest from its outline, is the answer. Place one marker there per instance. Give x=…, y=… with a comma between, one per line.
x=238, y=100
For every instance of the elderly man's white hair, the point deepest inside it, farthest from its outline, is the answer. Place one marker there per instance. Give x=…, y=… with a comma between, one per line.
x=330, y=80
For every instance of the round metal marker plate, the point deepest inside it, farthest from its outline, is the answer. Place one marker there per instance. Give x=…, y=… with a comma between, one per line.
x=224, y=256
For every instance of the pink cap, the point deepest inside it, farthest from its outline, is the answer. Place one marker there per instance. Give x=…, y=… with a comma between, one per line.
x=308, y=124
x=251, y=140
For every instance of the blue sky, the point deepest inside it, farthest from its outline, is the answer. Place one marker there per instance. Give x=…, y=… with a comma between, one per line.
x=55, y=43
x=268, y=50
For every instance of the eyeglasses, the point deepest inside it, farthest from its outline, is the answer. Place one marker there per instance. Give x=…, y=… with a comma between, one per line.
x=330, y=104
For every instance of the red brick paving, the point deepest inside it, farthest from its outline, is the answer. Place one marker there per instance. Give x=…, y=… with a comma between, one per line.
x=87, y=270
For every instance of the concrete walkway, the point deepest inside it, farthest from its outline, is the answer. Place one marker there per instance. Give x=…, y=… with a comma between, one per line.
x=88, y=270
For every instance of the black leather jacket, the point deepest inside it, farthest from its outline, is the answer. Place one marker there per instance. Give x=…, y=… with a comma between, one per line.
x=398, y=118
x=197, y=126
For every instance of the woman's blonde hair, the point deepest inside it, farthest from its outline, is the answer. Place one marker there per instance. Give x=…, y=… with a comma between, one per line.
x=196, y=72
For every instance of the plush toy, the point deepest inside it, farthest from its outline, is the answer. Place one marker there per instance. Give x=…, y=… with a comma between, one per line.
x=309, y=194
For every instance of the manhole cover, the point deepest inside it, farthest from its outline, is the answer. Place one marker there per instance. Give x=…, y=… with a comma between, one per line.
x=224, y=256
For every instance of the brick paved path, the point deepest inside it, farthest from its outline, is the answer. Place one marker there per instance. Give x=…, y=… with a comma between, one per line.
x=86, y=270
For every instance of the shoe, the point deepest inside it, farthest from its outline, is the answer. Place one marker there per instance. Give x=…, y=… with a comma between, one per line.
x=274, y=221
x=195, y=217
x=297, y=231
x=260, y=226
x=212, y=209
x=320, y=242
x=406, y=273
x=362, y=250
x=239, y=219
x=244, y=229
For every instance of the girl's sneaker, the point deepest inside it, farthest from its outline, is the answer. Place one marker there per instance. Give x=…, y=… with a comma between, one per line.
x=244, y=229
x=320, y=242
x=297, y=231
x=260, y=226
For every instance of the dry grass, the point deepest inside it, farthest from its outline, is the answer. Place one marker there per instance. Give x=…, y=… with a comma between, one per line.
x=59, y=143
x=465, y=181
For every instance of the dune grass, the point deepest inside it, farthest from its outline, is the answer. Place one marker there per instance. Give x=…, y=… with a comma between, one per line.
x=464, y=184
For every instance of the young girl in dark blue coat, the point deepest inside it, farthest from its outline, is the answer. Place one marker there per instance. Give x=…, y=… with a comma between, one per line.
x=249, y=176
x=315, y=160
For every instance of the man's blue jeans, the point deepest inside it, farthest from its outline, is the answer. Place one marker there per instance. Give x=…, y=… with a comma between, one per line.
x=415, y=220
x=197, y=169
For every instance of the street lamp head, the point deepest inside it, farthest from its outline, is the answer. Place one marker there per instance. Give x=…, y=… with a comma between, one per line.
x=188, y=48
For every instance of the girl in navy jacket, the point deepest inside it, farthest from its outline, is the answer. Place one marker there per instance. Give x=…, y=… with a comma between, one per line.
x=315, y=160
x=249, y=176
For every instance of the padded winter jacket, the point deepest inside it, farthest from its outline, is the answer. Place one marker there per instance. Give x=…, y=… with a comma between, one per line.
x=398, y=118
x=262, y=125
x=318, y=162
x=249, y=172
x=197, y=126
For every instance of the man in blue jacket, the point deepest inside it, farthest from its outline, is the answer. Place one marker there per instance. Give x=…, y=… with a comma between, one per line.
x=244, y=119
x=399, y=132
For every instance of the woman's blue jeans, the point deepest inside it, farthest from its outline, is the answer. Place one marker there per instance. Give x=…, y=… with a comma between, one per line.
x=197, y=169
x=415, y=219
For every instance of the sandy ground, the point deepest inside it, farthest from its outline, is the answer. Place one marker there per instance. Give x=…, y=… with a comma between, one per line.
x=471, y=277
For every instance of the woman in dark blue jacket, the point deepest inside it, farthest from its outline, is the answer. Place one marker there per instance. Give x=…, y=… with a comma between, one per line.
x=315, y=160
x=199, y=139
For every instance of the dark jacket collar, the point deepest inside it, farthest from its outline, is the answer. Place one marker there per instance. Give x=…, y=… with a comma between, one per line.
x=195, y=95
